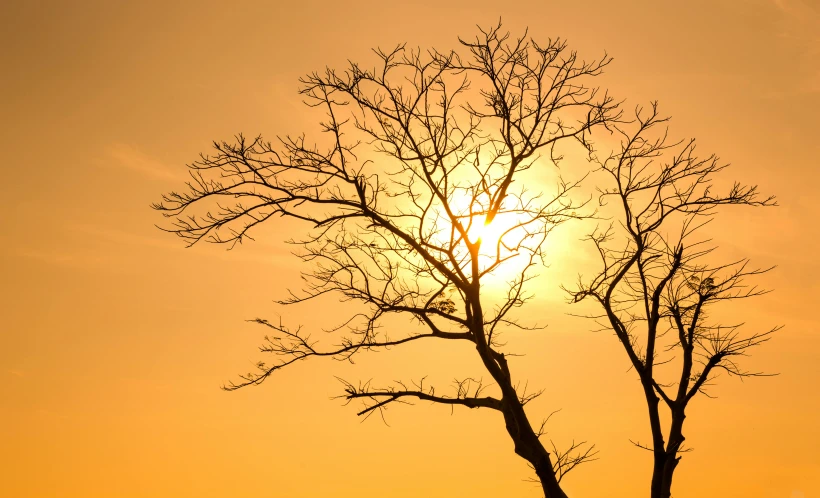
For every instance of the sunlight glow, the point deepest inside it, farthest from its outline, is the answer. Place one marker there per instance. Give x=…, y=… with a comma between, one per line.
x=489, y=233
x=500, y=239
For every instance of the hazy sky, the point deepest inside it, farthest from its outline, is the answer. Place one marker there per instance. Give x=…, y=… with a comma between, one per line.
x=114, y=339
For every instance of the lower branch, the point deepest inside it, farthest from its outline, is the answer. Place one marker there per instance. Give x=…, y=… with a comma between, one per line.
x=377, y=399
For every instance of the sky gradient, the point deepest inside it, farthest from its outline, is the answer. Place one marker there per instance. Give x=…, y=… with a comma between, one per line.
x=115, y=339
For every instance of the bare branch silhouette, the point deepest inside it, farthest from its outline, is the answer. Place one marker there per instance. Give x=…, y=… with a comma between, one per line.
x=656, y=281
x=425, y=152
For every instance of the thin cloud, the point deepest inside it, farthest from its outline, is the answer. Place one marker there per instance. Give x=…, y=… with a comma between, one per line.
x=131, y=158
x=121, y=237
x=801, y=24
x=51, y=257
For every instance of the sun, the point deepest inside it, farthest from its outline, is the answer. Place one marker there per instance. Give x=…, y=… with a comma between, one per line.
x=506, y=239
x=505, y=244
x=488, y=233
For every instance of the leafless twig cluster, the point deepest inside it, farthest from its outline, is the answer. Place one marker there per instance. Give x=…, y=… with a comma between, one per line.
x=421, y=148
x=422, y=153
x=656, y=285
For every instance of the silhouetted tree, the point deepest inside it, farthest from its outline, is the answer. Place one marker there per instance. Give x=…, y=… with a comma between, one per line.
x=657, y=287
x=424, y=153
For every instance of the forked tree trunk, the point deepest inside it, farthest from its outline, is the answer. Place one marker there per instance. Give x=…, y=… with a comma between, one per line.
x=662, y=473
x=657, y=474
x=668, y=471
x=673, y=447
x=666, y=461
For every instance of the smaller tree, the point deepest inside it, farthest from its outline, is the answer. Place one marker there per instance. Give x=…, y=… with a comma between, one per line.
x=656, y=287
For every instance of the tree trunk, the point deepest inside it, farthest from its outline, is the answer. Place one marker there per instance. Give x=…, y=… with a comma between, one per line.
x=526, y=442
x=657, y=474
x=668, y=470
x=662, y=472
x=529, y=447
x=673, y=447
x=667, y=460
x=658, y=443
x=548, y=482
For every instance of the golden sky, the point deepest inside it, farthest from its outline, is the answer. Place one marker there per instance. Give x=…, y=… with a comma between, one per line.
x=114, y=339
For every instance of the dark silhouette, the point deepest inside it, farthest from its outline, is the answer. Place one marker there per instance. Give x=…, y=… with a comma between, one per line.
x=421, y=150
x=656, y=284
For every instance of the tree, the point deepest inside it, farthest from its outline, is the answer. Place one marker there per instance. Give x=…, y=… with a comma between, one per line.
x=413, y=206
x=656, y=281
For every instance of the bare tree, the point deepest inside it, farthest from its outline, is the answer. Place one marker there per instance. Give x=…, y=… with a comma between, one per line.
x=656, y=288
x=419, y=166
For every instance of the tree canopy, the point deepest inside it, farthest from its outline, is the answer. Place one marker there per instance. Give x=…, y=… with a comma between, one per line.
x=418, y=194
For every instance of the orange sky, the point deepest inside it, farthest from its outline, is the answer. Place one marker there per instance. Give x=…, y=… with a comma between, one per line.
x=114, y=339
